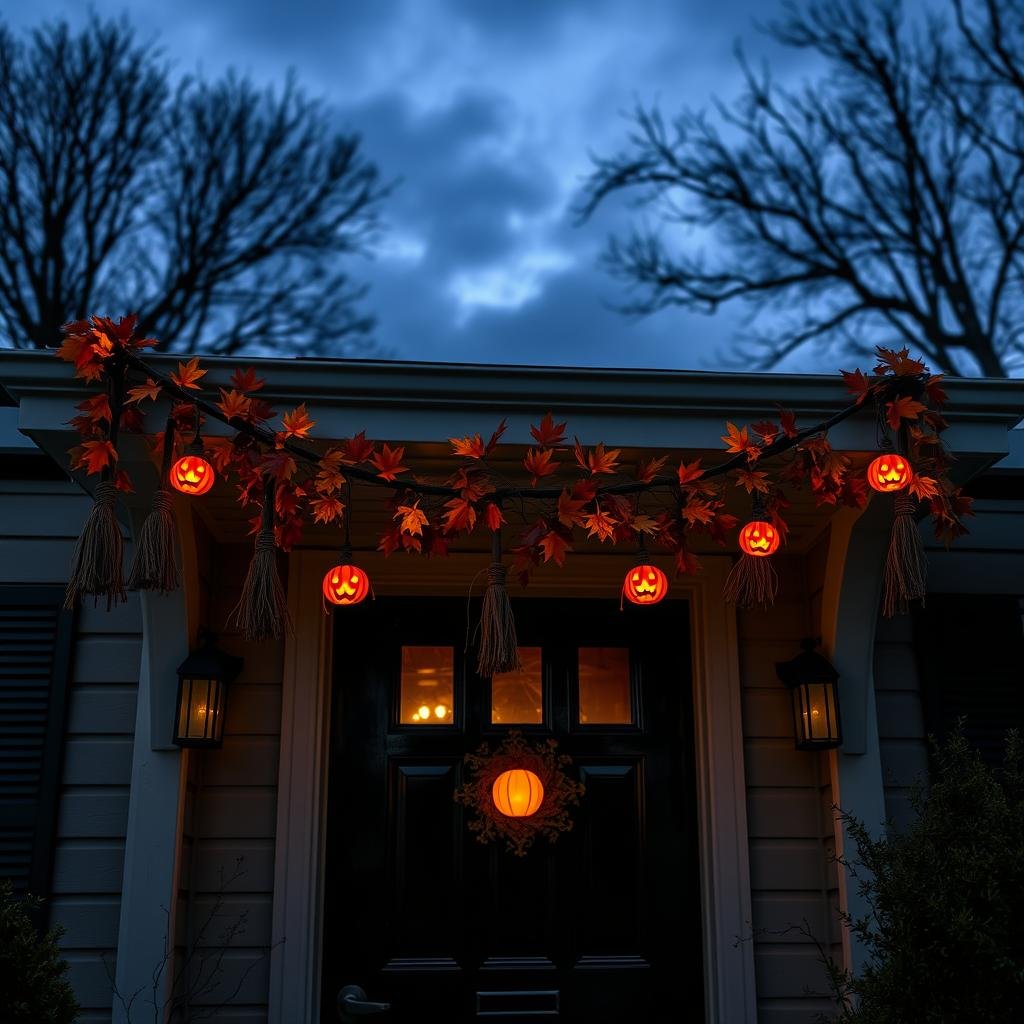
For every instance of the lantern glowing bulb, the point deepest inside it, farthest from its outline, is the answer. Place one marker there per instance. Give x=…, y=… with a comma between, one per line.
x=517, y=793
x=440, y=711
x=345, y=585
x=192, y=474
x=424, y=711
x=889, y=472
x=759, y=538
x=645, y=584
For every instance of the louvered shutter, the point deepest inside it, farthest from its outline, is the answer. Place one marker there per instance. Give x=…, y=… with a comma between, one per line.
x=971, y=657
x=35, y=646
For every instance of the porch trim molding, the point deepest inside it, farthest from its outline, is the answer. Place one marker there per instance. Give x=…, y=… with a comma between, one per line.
x=729, y=987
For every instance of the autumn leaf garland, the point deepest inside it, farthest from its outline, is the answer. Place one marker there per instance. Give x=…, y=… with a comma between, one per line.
x=603, y=500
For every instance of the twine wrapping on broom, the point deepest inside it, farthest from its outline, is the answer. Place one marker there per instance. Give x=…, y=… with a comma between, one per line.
x=262, y=611
x=499, y=647
x=97, y=565
x=154, y=566
x=906, y=568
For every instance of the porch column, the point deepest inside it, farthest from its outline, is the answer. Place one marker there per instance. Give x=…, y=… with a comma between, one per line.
x=856, y=561
x=155, y=805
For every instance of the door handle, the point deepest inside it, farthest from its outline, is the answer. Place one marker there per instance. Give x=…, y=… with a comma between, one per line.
x=353, y=1004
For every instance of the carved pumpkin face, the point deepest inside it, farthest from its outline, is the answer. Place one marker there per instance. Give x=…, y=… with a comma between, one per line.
x=759, y=539
x=192, y=474
x=645, y=584
x=517, y=793
x=889, y=472
x=346, y=584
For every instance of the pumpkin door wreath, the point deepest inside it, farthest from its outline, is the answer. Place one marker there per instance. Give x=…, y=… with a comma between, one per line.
x=519, y=791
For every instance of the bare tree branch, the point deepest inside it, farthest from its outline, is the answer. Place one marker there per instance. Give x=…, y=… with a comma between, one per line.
x=885, y=199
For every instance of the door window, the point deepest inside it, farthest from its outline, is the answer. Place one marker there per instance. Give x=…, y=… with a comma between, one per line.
x=605, y=692
x=427, y=686
x=517, y=698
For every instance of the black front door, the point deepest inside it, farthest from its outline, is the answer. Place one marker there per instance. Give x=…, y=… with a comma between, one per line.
x=603, y=925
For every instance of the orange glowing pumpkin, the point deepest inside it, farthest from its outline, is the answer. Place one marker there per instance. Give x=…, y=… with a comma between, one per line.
x=346, y=584
x=192, y=474
x=889, y=472
x=645, y=584
x=517, y=793
x=759, y=538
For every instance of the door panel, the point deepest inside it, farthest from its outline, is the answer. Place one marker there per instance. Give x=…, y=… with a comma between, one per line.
x=601, y=926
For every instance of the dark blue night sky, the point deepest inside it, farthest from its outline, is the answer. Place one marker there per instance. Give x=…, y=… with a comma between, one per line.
x=487, y=110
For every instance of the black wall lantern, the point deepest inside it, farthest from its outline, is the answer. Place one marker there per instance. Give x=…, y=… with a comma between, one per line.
x=812, y=680
x=203, y=679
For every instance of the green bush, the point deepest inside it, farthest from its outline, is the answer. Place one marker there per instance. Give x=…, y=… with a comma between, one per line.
x=945, y=930
x=33, y=989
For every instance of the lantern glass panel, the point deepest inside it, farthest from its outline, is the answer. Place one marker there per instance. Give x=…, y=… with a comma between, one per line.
x=517, y=697
x=605, y=692
x=427, y=686
x=201, y=712
x=815, y=715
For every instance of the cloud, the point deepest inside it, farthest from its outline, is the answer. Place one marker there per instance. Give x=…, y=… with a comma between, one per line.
x=488, y=114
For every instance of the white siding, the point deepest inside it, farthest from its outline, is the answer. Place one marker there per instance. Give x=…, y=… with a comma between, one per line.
x=39, y=521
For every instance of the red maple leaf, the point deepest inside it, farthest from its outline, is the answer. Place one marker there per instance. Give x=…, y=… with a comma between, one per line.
x=648, y=469
x=554, y=546
x=903, y=408
x=297, y=422
x=148, y=390
x=357, y=449
x=493, y=517
x=787, y=420
x=600, y=461
x=188, y=373
x=326, y=510
x=549, y=433
x=96, y=456
x=461, y=515
x=246, y=381
x=388, y=462
x=601, y=525
x=233, y=404
x=688, y=472
x=539, y=464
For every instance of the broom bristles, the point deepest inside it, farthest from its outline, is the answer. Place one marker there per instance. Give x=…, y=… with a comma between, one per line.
x=499, y=646
x=154, y=566
x=906, y=567
x=262, y=611
x=97, y=564
x=752, y=581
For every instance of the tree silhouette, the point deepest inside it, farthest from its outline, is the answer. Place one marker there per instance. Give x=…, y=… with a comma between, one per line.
x=883, y=201
x=222, y=213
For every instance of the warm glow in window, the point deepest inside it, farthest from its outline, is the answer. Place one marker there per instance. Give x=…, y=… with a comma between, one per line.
x=517, y=697
x=605, y=697
x=428, y=686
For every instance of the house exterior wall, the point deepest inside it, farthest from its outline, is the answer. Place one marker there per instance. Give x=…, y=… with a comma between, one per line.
x=39, y=521
x=788, y=812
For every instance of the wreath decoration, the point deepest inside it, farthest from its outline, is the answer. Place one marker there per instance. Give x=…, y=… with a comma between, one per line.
x=560, y=792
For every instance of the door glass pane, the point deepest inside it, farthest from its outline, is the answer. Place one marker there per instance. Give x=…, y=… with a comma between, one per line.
x=605, y=697
x=517, y=697
x=428, y=676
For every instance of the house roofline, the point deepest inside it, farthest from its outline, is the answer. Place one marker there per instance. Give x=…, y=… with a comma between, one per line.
x=470, y=386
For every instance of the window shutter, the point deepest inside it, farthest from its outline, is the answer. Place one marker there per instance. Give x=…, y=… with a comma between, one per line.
x=971, y=656
x=35, y=649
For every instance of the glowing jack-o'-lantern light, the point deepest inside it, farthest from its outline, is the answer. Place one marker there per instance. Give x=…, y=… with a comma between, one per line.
x=517, y=793
x=192, y=474
x=890, y=472
x=759, y=538
x=645, y=584
x=346, y=584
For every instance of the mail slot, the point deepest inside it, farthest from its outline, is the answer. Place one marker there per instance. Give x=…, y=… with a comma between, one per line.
x=510, y=1005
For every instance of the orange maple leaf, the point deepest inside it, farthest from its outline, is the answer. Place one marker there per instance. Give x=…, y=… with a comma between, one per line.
x=413, y=519
x=326, y=510
x=600, y=461
x=554, y=546
x=493, y=517
x=388, y=462
x=737, y=439
x=570, y=509
x=96, y=456
x=188, y=373
x=246, y=381
x=899, y=362
x=857, y=384
x=600, y=524
x=297, y=422
x=752, y=480
x=328, y=477
x=923, y=487
x=689, y=472
x=233, y=404
x=461, y=515
x=903, y=408
x=645, y=524
x=468, y=447
x=149, y=390
x=357, y=449
x=549, y=433
x=697, y=511
x=648, y=469
x=539, y=464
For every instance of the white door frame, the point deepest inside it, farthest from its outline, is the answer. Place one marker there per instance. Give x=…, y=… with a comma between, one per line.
x=729, y=992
